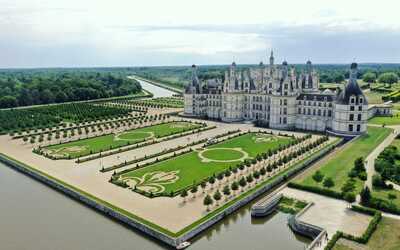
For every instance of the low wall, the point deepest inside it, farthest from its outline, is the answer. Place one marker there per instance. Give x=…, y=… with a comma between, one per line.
x=76, y=194
x=316, y=233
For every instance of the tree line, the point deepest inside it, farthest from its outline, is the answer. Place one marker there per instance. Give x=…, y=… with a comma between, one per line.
x=25, y=88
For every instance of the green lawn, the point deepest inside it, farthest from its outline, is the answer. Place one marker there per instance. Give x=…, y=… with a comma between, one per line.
x=182, y=171
x=339, y=166
x=387, y=120
x=383, y=194
x=386, y=237
x=106, y=142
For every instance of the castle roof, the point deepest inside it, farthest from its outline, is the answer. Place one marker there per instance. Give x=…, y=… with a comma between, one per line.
x=352, y=88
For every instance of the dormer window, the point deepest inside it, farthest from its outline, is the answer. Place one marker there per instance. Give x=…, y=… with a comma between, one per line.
x=360, y=99
x=352, y=99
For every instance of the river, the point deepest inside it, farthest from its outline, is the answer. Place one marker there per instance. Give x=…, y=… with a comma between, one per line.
x=35, y=217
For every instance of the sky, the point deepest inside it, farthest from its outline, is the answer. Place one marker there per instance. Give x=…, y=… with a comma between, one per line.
x=86, y=33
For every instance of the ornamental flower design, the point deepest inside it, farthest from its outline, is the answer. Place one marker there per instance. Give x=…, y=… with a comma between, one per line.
x=153, y=182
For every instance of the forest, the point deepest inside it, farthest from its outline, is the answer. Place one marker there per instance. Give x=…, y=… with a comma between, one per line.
x=45, y=86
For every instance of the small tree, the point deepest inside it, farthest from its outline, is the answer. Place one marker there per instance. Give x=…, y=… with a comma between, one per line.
x=208, y=201
x=217, y=196
x=350, y=197
x=328, y=182
x=194, y=190
x=242, y=182
x=365, y=196
x=184, y=194
x=203, y=185
x=318, y=176
x=235, y=186
x=211, y=180
x=226, y=191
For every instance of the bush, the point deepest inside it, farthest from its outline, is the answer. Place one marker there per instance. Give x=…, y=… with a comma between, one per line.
x=317, y=190
x=331, y=244
x=318, y=176
x=363, y=176
x=328, y=182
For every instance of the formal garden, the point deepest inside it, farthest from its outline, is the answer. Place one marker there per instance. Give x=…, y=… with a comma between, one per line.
x=242, y=159
x=343, y=174
x=83, y=147
x=160, y=102
x=19, y=120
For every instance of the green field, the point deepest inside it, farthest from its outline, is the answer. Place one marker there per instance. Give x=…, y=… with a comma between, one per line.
x=106, y=142
x=386, y=120
x=386, y=237
x=338, y=166
x=182, y=171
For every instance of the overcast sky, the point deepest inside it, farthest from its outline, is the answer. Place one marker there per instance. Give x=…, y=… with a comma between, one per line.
x=75, y=33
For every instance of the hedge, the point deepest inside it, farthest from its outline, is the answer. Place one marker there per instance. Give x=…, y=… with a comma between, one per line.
x=333, y=241
x=317, y=190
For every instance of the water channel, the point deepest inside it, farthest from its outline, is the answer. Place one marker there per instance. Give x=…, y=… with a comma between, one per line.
x=35, y=217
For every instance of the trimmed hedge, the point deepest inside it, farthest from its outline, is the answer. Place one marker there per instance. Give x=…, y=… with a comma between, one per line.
x=317, y=190
x=333, y=241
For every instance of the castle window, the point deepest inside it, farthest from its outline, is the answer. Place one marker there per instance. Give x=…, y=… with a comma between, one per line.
x=284, y=120
x=361, y=100
x=351, y=118
x=358, y=127
x=330, y=105
x=309, y=112
x=350, y=127
x=324, y=112
x=280, y=102
x=284, y=111
x=351, y=108
x=313, y=112
x=352, y=99
x=359, y=108
x=329, y=113
x=284, y=102
x=280, y=120
x=299, y=111
x=319, y=112
x=359, y=117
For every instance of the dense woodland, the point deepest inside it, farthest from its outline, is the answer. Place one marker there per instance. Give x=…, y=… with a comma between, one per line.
x=44, y=86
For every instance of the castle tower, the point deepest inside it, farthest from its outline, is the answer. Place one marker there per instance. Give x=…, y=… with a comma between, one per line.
x=350, y=108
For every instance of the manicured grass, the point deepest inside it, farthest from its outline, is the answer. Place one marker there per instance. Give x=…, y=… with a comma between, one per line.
x=339, y=166
x=223, y=154
x=383, y=194
x=386, y=236
x=341, y=247
x=387, y=120
x=106, y=142
x=182, y=171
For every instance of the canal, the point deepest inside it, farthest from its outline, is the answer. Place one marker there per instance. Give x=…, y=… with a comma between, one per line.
x=35, y=217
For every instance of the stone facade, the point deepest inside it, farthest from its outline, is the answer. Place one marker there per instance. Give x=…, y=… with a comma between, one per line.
x=278, y=97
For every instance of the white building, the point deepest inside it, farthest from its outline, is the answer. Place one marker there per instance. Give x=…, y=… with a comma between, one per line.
x=278, y=97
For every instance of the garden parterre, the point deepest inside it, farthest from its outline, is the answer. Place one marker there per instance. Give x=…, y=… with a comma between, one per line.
x=111, y=141
x=191, y=168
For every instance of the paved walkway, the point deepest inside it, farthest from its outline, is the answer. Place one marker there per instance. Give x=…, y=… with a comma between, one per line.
x=330, y=214
x=370, y=160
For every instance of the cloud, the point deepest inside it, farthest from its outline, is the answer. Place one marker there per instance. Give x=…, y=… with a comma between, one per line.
x=134, y=33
